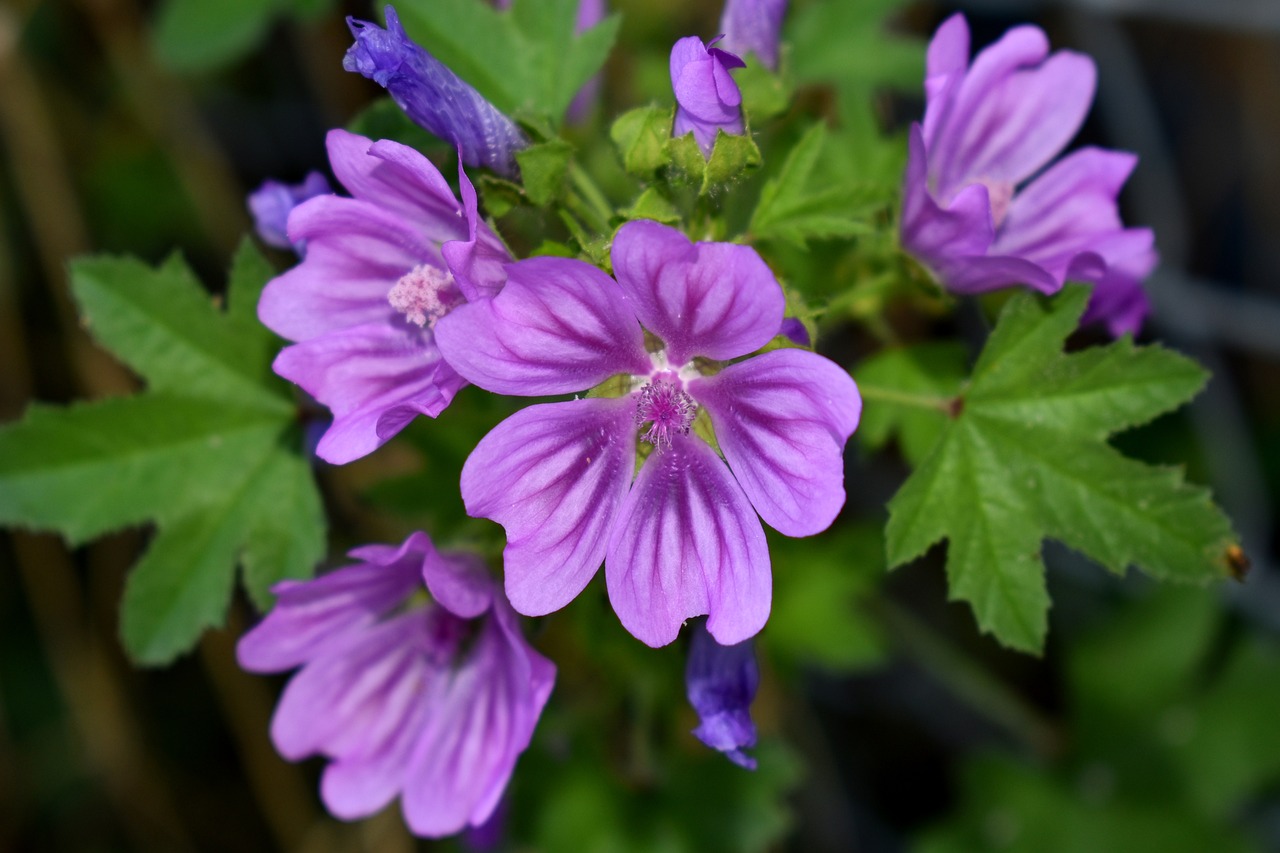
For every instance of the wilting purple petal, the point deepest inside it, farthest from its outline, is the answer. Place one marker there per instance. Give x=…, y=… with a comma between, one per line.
x=715, y=300
x=707, y=98
x=554, y=475
x=271, y=204
x=433, y=96
x=559, y=325
x=687, y=543
x=782, y=419
x=721, y=682
x=753, y=26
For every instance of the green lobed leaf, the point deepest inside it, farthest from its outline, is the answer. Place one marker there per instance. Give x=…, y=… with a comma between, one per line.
x=803, y=202
x=210, y=452
x=527, y=59
x=1024, y=458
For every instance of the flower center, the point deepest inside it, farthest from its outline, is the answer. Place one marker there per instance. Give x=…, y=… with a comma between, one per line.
x=1000, y=194
x=666, y=407
x=446, y=634
x=424, y=294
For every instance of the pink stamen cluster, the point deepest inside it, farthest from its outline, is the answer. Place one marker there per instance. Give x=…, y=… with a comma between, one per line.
x=667, y=408
x=424, y=294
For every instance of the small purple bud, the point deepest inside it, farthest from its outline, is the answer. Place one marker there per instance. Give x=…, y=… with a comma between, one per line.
x=796, y=332
x=721, y=681
x=433, y=96
x=753, y=26
x=271, y=204
x=707, y=99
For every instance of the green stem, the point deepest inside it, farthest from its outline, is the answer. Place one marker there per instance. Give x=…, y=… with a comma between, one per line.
x=591, y=200
x=906, y=398
x=967, y=680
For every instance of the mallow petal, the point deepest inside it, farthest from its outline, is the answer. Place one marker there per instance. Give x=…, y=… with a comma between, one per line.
x=687, y=543
x=554, y=475
x=458, y=582
x=313, y=616
x=375, y=378
x=933, y=234
x=482, y=722
x=348, y=703
x=478, y=262
x=1055, y=214
x=782, y=419
x=355, y=254
x=558, y=326
x=717, y=300
x=399, y=180
x=1025, y=123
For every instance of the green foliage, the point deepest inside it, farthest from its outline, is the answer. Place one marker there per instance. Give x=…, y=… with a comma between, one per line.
x=1167, y=743
x=820, y=584
x=202, y=35
x=803, y=203
x=908, y=387
x=210, y=452
x=1022, y=455
x=543, y=168
x=848, y=46
x=525, y=60
x=642, y=135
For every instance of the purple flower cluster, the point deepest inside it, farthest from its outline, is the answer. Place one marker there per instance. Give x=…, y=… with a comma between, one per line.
x=381, y=268
x=682, y=538
x=431, y=702
x=991, y=125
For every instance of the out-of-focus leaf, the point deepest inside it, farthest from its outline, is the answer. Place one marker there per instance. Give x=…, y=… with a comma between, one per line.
x=210, y=452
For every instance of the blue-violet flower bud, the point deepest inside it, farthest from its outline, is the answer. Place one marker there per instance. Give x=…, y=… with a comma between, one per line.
x=433, y=96
x=721, y=681
x=271, y=204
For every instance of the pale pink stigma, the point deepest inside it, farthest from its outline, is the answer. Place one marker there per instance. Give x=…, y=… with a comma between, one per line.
x=664, y=405
x=424, y=294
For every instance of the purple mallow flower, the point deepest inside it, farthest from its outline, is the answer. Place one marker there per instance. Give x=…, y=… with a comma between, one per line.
x=707, y=99
x=753, y=26
x=433, y=96
x=381, y=268
x=271, y=204
x=429, y=701
x=683, y=539
x=721, y=682
x=989, y=126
